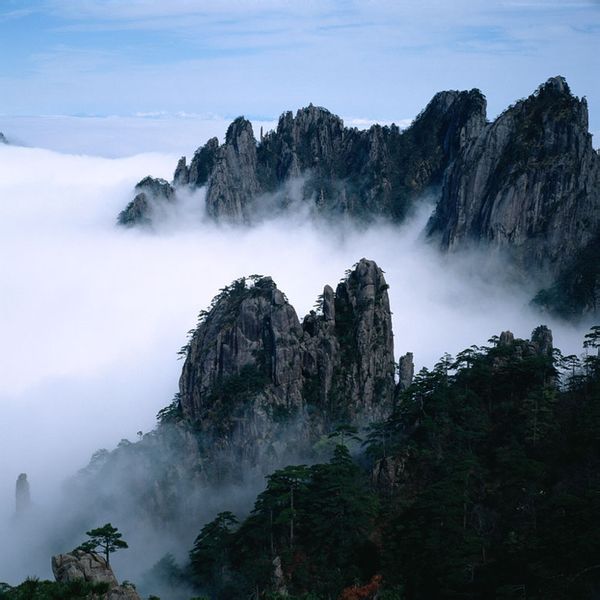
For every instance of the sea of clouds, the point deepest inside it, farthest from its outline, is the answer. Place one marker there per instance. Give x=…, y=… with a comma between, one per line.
x=92, y=315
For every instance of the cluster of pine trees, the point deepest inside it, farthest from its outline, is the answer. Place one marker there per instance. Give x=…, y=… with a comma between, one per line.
x=483, y=484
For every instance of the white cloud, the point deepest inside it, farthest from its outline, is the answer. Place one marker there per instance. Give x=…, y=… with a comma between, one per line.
x=92, y=315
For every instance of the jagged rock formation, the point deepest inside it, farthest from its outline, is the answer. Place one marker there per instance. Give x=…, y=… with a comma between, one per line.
x=379, y=172
x=22, y=494
x=258, y=389
x=151, y=193
x=406, y=371
x=529, y=185
x=252, y=369
x=92, y=568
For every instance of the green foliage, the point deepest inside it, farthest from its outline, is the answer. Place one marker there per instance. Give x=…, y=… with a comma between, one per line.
x=495, y=498
x=209, y=558
x=34, y=589
x=171, y=413
x=489, y=488
x=315, y=519
x=106, y=538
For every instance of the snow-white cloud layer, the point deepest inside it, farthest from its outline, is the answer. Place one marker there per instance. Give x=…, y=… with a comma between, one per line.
x=91, y=315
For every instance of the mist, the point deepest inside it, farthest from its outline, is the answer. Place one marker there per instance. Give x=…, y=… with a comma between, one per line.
x=92, y=315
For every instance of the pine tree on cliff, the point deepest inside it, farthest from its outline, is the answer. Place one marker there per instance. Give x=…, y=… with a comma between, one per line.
x=107, y=538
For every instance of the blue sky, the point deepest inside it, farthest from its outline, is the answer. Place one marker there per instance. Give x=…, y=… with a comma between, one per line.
x=374, y=59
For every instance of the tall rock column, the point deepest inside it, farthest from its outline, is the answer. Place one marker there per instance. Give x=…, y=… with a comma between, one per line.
x=22, y=494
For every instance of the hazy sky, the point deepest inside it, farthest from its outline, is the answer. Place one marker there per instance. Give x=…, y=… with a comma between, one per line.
x=372, y=59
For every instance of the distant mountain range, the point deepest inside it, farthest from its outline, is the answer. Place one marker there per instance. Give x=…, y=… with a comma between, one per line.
x=526, y=184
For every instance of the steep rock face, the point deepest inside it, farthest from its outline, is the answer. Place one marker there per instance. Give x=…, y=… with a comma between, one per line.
x=232, y=182
x=363, y=376
x=92, y=568
x=150, y=194
x=242, y=374
x=406, y=371
x=258, y=390
x=529, y=184
x=251, y=368
x=379, y=172
x=203, y=163
x=22, y=495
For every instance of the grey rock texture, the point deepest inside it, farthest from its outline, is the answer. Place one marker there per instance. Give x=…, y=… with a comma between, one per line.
x=90, y=567
x=150, y=193
x=22, y=495
x=379, y=172
x=252, y=369
x=406, y=371
x=3, y=139
x=233, y=181
x=258, y=389
x=350, y=352
x=528, y=185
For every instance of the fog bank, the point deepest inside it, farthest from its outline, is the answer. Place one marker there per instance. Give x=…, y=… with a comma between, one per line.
x=92, y=315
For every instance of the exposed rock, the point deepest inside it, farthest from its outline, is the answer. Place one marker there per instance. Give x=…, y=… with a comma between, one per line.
x=242, y=375
x=279, y=586
x=540, y=344
x=529, y=184
x=23, y=497
x=406, y=371
x=3, y=139
x=88, y=566
x=371, y=173
x=150, y=194
x=541, y=339
x=387, y=472
x=379, y=172
x=251, y=369
x=182, y=173
x=258, y=389
x=92, y=568
x=233, y=181
x=362, y=384
x=203, y=163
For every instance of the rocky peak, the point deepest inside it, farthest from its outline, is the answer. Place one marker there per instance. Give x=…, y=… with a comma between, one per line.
x=203, y=163
x=232, y=182
x=239, y=133
x=251, y=365
x=92, y=568
x=250, y=332
x=406, y=371
x=539, y=345
x=22, y=495
x=557, y=85
x=150, y=193
x=541, y=338
x=374, y=173
x=182, y=173
x=529, y=184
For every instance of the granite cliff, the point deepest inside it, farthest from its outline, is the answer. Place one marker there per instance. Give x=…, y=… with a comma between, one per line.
x=378, y=172
x=526, y=184
x=529, y=185
x=258, y=389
